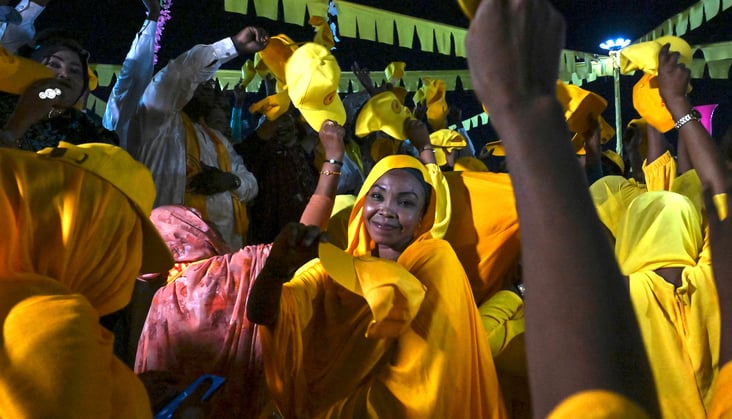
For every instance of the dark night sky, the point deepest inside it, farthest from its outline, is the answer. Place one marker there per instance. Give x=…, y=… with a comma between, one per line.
x=108, y=26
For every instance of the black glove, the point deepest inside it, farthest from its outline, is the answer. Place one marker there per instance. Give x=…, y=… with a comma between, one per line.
x=212, y=180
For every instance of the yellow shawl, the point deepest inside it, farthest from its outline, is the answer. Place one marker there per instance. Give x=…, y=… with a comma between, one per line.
x=71, y=249
x=193, y=165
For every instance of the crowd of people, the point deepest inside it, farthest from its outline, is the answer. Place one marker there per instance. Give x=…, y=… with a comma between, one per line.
x=322, y=254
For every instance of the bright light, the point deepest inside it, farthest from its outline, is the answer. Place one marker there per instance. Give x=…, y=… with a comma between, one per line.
x=615, y=44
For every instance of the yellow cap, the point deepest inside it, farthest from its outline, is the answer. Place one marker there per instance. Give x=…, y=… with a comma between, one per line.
x=496, y=147
x=132, y=178
x=647, y=101
x=279, y=49
x=395, y=70
x=435, y=91
x=446, y=140
x=581, y=107
x=644, y=55
x=383, y=112
x=312, y=75
x=273, y=106
x=323, y=33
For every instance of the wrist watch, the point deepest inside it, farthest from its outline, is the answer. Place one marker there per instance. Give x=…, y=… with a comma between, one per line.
x=693, y=114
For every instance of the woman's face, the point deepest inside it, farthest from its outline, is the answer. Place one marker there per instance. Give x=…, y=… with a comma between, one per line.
x=393, y=209
x=66, y=65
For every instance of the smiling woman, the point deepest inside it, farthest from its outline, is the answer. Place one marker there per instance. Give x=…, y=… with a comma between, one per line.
x=47, y=109
x=386, y=329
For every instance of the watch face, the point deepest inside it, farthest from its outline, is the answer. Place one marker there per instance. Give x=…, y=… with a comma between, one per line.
x=695, y=114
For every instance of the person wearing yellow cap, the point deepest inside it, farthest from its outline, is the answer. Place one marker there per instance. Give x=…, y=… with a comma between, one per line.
x=387, y=327
x=177, y=131
x=41, y=91
x=72, y=247
x=584, y=350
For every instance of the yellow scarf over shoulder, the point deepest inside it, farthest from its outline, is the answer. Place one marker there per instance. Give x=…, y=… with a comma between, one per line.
x=193, y=165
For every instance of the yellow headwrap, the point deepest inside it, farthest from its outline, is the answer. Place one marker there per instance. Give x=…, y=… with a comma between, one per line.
x=612, y=195
x=436, y=218
x=70, y=252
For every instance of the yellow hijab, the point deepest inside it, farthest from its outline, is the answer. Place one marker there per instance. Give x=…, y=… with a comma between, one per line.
x=71, y=249
x=69, y=225
x=436, y=218
x=658, y=230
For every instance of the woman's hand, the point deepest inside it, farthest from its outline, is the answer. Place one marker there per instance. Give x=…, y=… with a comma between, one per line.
x=293, y=247
x=331, y=136
x=41, y=100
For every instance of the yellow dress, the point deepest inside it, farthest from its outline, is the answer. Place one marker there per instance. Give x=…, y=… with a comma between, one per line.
x=319, y=361
x=66, y=258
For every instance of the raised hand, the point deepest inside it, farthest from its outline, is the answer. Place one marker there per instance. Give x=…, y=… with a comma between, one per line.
x=153, y=9
x=250, y=40
x=511, y=59
x=673, y=81
x=293, y=247
x=331, y=136
x=43, y=99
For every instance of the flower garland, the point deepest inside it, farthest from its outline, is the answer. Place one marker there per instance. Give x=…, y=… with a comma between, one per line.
x=162, y=19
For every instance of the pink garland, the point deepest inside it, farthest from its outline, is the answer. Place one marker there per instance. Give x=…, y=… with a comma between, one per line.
x=164, y=17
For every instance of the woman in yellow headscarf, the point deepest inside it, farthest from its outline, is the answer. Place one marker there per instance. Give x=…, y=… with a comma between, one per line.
x=72, y=246
x=388, y=329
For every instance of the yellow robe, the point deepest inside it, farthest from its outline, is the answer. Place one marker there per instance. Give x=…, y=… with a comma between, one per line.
x=70, y=252
x=680, y=325
x=319, y=363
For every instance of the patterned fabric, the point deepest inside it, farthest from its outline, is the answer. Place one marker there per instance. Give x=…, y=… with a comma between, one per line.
x=73, y=126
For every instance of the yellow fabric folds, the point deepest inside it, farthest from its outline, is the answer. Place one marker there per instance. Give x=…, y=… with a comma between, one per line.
x=485, y=235
x=70, y=252
x=658, y=230
x=679, y=323
x=660, y=173
x=598, y=404
x=193, y=164
x=319, y=364
x=612, y=195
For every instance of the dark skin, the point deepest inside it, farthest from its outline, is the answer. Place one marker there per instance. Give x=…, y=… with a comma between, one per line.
x=513, y=50
x=211, y=180
x=296, y=243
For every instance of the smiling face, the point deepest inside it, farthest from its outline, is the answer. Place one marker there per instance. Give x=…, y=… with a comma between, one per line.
x=66, y=65
x=393, y=210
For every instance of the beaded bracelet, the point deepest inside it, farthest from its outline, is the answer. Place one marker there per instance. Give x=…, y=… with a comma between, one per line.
x=334, y=161
x=330, y=172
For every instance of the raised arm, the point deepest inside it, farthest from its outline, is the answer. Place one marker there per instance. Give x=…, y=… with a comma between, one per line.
x=173, y=86
x=581, y=330
x=673, y=81
x=133, y=78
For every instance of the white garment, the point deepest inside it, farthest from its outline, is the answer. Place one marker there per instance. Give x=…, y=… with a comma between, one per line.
x=158, y=123
x=136, y=73
x=12, y=36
